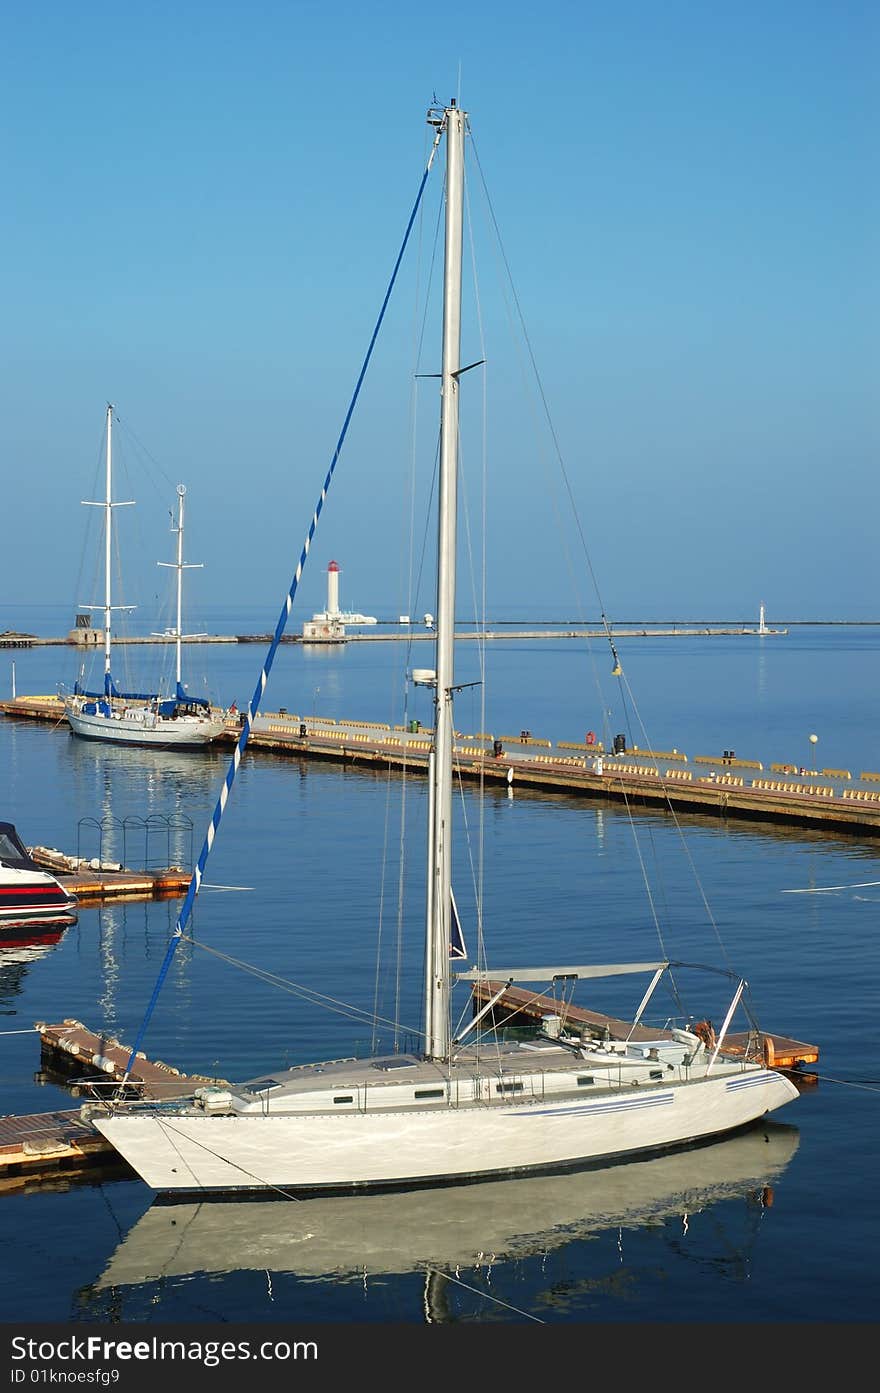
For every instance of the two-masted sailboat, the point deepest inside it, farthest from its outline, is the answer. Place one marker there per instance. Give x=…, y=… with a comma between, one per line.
x=117, y=717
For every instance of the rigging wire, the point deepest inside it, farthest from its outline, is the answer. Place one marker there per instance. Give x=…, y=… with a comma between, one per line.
x=419, y=323
x=627, y=697
x=547, y=415
x=316, y=998
x=255, y=700
x=486, y=1295
x=380, y=920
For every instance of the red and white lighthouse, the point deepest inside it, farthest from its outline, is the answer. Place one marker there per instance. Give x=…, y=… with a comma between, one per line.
x=332, y=589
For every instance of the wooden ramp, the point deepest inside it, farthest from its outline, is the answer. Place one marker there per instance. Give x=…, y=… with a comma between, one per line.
x=54, y=1148
x=50, y=1147
x=100, y=1062
x=519, y=1007
x=92, y=884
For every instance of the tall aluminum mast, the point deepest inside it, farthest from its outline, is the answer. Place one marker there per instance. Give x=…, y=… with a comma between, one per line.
x=180, y=566
x=439, y=887
x=108, y=505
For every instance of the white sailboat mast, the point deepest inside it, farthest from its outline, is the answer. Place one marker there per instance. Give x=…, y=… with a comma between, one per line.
x=181, y=491
x=439, y=888
x=179, y=566
x=107, y=548
x=108, y=505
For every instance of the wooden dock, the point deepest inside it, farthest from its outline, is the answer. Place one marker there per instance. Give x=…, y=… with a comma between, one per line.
x=51, y=1148
x=96, y=1064
x=821, y=800
x=54, y=1148
x=517, y=1006
x=722, y=786
x=93, y=885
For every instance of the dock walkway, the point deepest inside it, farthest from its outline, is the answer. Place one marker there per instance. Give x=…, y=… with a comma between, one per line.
x=93, y=883
x=516, y=1006
x=832, y=800
x=48, y=1146
x=71, y=1050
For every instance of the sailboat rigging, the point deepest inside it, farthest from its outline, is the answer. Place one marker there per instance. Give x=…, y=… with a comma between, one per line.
x=139, y=718
x=453, y=1111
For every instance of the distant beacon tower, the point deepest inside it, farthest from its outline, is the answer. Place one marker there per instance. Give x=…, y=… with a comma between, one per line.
x=332, y=588
x=762, y=626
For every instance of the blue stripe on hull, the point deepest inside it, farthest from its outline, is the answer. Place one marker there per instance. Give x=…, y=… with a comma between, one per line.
x=748, y=1081
x=611, y=1105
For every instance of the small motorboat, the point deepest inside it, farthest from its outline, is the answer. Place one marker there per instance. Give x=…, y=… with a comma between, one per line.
x=28, y=894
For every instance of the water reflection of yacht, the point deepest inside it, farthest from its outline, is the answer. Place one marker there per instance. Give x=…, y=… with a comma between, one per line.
x=141, y=800
x=356, y=1237
x=191, y=769
x=19, y=948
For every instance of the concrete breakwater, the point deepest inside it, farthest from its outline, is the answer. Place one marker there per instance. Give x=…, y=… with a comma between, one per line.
x=94, y=638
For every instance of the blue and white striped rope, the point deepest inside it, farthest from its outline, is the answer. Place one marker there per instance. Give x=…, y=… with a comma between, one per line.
x=226, y=787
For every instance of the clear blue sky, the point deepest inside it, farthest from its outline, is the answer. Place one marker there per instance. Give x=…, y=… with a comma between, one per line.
x=202, y=203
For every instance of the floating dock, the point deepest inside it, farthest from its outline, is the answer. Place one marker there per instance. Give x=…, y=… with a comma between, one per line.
x=52, y=1148
x=516, y=1006
x=96, y=1064
x=94, y=883
x=48, y=1148
x=833, y=800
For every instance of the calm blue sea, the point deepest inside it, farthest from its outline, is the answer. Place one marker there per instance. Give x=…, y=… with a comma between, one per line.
x=305, y=881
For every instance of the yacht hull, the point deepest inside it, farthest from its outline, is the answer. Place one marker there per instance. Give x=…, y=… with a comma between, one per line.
x=28, y=895
x=33, y=899
x=178, y=732
x=359, y=1235
x=314, y=1152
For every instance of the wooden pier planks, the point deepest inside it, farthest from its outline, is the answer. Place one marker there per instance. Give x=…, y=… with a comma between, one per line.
x=49, y=1145
x=518, y=1006
x=46, y=1148
x=91, y=886
x=71, y=1048
x=716, y=793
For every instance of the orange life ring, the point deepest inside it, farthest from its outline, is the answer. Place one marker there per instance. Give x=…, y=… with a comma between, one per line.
x=769, y=1053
